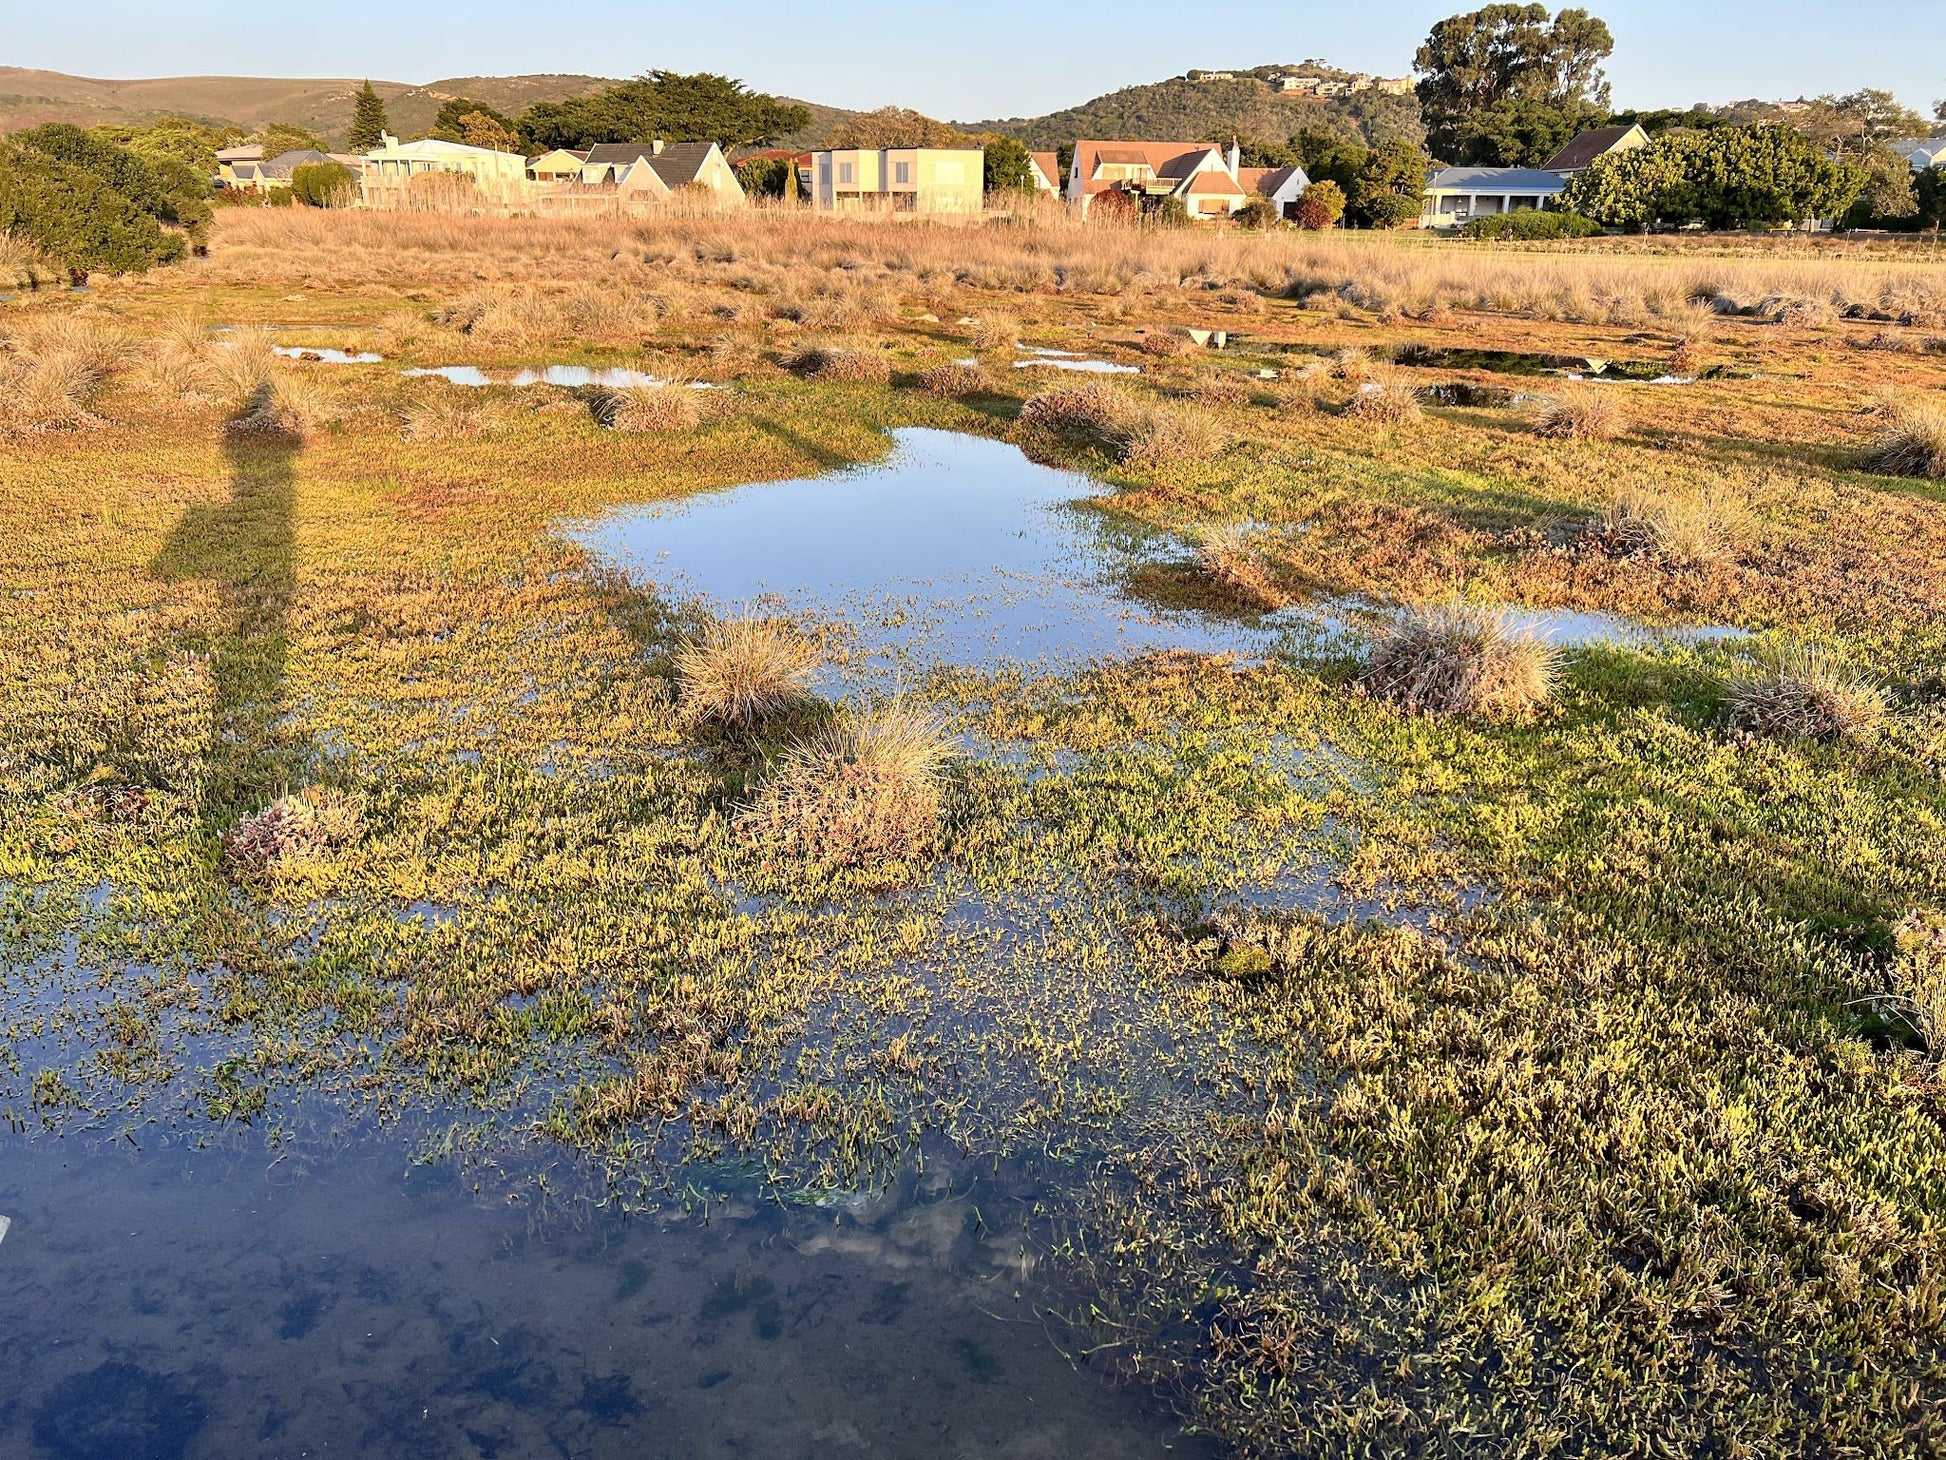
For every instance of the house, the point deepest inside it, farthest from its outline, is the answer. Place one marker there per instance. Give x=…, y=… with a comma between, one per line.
x=1456, y=195
x=560, y=165
x=1046, y=170
x=933, y=180
x=1281, y=186
x=1150, y=170
x=229, y=159
x=277, y=172
x=1924, y=155
x=675, y=166
x=1584, y=151
x=391, y=170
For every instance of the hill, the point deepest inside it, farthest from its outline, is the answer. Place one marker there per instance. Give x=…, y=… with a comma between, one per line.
x=1185, y=110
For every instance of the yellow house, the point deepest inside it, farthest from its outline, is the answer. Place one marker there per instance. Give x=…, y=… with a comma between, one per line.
x=560, y=165
x=394, y=171
x=934, y=180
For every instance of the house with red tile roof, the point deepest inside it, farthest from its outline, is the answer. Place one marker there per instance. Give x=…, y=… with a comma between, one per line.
x=1202, y=175
x=1045, y=168
x=1281, y=187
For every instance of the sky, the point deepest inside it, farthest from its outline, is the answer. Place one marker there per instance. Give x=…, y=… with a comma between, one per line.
x=961, y=62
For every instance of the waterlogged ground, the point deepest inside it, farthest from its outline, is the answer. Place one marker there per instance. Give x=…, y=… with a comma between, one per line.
x=1326, y=1079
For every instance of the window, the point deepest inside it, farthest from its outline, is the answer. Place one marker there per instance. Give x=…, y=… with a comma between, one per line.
x=845, y=171
x=901, y=172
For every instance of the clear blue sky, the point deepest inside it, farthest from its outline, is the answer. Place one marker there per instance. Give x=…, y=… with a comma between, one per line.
x=998, y=58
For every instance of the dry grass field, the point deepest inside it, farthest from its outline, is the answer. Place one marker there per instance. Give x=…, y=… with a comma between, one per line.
x=1586, y=1102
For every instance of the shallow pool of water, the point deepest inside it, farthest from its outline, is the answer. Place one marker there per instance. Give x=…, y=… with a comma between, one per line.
x=327, y=357
x=955, y=549
x=169, y=1304
x=1047, y=359
x=611, y=377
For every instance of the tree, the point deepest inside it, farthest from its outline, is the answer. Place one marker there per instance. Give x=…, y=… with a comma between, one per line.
x=667, y=105
x=1472, y=62
x=281, y=137
x=1890, y=188
x=75, y=216
x=160, y=183
x=1518, y=133
x=1259, y=213
x=1321, y=206
x=1388, y=187
x=1729, y=177
x=450, y=122
x=324, y=184
x=1267, y=154
x=1008, y=167
x=893, y=126
x=368, y=125
x=1849, y=127
x=765, y=177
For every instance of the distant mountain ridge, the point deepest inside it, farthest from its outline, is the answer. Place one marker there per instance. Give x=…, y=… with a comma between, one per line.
x=322, y=105
x=1182, y=109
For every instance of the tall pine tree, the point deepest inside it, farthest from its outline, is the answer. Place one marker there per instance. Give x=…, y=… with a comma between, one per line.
x=367, y=121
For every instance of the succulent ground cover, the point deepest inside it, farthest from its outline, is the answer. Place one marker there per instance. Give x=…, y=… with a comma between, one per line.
x=1559, y=1082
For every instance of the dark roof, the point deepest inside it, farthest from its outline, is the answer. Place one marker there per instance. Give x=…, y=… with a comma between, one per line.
x=285, y=163
x=1497, y=180
x=676, y=164
x=1583, y=150
x=617, y=154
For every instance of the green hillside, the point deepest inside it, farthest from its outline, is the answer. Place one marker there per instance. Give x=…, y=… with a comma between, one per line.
x=1183, y=110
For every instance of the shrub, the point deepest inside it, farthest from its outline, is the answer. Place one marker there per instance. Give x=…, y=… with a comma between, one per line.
x=863, y=791
x=1532, y=223
x=954, y=382
x=1459, y=660
x=1229, y=559
x=1584, y=415
x=651, y=409
x=1806, y=694
x=76, y=218
x=1163, y=435
x=743, y=671
x=1095, y=408
x=1912, y=442
x=297, y=824
x=834, y=363
x=1257, y=213
x=324, y=185
x=1321, y=206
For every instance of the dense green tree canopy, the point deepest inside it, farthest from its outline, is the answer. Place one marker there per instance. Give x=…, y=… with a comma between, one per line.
x=1384, y=186
x=766, y=177
x=1728, y=177
x=676, y=108
x=74, y=215
x=164, y=187
x=324, y=185
x=896, y=126
x=457, y=117
x=1008, y=168
x=1472, y=63
x=281, y=137
x=1518, y=133
x=368, y=126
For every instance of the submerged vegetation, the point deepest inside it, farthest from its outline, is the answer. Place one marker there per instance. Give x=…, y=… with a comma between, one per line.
x=1426, y=1039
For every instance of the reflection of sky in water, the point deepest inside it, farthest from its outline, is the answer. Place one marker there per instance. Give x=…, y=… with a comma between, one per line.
x=955, y=549
x=613, y=377
x=328, y=357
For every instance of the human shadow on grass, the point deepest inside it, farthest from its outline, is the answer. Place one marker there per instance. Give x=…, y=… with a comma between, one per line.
x=245, y=547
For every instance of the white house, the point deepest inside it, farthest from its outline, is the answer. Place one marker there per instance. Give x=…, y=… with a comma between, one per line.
x=1923, y=155
x=391, y=170
x=1457, y=195
x=1282, y=186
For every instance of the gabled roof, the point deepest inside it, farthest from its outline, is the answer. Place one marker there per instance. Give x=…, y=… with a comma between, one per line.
x=1583, y=150
x=1221, y=184
x=1268, y=182
x=617, y=154
x=285, y=163
x=438, y=147
x=579, y=157
x=247, y=152
x=679, y=162
x=1050, y=165
x=1497, y=180
x=1165, y=159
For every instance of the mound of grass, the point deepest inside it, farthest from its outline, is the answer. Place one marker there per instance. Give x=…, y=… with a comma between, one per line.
x=1460, y=660
x=1676, y=528
x=1094, y=408
x=1167, y=344
x=1912, y=441
x=744, y=670
x=455, y=413
x=1584, y=415
x=1807, y=694
x=1385, y=401
x=660, y=410
x=996, y=330
x=841, y=365
x=864, y=791
x=52, y=371
x=1227, y=556
x=297, y=824
x=1164, y=436
x=954, y=382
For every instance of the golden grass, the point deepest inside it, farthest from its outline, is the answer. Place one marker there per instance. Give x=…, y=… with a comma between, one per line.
x=861, y=792
x=1807, y=693
x=1678, y=527
x=1227, y=555
x=842, y=364
x=1456, y=659
x=1158, y=436
x=742, y=671
x=52, y=370
x=1385, y=399
x=951, y=381
x=1587, y=414
x=1094, y=407
x=656, y=410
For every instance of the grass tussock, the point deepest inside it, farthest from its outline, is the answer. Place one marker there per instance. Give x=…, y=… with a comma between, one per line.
x=1676, y=527
x=950, y=381
x=1094, y=407
x=52, y=371
x=1168, y=344
x=1584, y=415
x=1919, y=977
x=1460, y=660
x=997, y=330
x=455, y=413
x=1385, y=400
x=742, y=671
x=841, y=364
x=862, y=792
x=1158, y=436
x=1912, y=439
x=652, y=410
x=1228, y=557
x=296, y=825
x=1807, y=693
